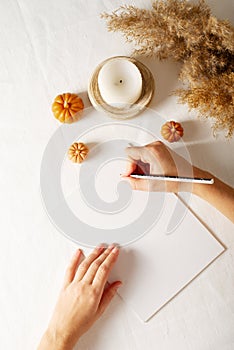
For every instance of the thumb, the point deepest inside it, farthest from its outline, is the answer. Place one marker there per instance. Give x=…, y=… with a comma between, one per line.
x=107, y=296
x=137, y=184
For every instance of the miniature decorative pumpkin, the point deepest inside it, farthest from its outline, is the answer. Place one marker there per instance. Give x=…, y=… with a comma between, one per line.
x=67, y=107
x=172, y=131
x=78, y=152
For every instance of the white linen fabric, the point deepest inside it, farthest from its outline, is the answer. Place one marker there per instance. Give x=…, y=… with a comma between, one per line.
x=51, y=47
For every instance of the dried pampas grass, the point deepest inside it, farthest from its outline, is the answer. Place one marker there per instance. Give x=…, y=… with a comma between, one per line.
x=187, y=32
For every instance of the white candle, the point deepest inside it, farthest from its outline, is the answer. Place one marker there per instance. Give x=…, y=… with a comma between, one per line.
x=120, y=82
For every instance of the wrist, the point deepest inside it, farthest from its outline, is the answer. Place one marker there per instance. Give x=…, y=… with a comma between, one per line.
x=201, y=189
x=52, y=340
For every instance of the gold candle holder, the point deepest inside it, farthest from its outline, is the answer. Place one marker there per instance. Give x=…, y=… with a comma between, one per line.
x=128, y=111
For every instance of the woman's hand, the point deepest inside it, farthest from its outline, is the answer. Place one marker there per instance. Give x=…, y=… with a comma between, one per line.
x=155, y=158
x=83, y=298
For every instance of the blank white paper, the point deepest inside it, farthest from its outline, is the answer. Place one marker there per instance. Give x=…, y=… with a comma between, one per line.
x=157, y=266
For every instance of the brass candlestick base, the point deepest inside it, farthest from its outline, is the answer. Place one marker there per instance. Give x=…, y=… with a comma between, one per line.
x=130, y=110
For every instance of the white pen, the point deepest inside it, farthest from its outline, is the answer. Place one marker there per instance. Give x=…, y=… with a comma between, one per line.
x=198, y=180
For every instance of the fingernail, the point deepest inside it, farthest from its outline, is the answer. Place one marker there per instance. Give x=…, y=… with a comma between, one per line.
x=101, y=248
x=115, y=250
x=118, y=285
x=78, y=253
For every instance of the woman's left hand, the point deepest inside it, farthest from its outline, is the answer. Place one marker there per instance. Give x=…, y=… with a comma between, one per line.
x=83, y=298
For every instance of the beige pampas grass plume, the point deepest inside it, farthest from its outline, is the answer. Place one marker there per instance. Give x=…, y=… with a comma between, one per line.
x=186, y=32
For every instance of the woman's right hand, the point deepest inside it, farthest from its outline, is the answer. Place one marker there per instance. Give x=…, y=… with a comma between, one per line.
x=157, y=159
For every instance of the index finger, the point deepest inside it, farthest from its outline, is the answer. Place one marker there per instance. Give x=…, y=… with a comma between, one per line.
x=104, y=269
x=130, y=168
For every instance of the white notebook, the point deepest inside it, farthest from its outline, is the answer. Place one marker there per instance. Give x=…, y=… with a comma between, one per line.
x=157, y=266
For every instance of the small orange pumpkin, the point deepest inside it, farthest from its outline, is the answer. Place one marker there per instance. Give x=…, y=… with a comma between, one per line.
x=77, y=152
x=67, y=107
x=172, y=131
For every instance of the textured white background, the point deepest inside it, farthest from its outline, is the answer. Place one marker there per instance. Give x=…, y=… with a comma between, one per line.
x=49, y=47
